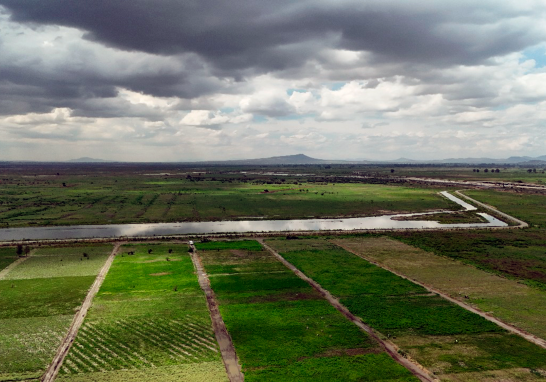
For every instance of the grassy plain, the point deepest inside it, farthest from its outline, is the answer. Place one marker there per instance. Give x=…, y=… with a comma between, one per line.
x=63, y=262
x=37, y=310
x=7, y=256
x=420, y=322
x=282, y=329
x=509, y=300
x=136, y=197
x=148, y=321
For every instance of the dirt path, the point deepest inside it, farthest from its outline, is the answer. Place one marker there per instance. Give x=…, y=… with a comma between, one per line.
x=55, y=366
x=391, y=349
x=227, y=350
x=6, y=270
x=528, y=336
x=521, y=223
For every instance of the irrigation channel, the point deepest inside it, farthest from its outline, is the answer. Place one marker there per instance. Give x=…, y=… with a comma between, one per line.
x=385, y=222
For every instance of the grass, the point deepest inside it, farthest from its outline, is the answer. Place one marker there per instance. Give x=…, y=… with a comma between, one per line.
x=248, y=245
x=283, y=330
x=62, y=262
x=38, y=304
x=518, y=254
x=7, y=256
x=150, y=313
x=195, y=372
x=385, y=301
x=27, y=345
x=507, y=299
x=400, y=310
x=131, y=197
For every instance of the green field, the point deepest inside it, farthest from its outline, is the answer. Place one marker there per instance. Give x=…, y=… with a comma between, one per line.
x=37, y=309
x=149, y=320
x=63, y=262
x=7, y=256
x=282, y=329
x=511, y=301
x=434, y=331
x=140, y=198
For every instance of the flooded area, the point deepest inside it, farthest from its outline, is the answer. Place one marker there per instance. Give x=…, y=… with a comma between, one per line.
x=384, y=222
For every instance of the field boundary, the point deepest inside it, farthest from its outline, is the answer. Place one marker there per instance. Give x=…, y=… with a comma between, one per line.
x=511, y=328
x=229, y=356
x=4, y=272
x=521, y=223
x=55, y=366
x=390, y=348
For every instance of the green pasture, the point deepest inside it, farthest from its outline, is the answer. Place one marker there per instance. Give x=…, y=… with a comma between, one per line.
x=509, y=300
x=149, y=316
x=66, y=262
x=195, y=372
x=518, y=254
x=130, y=198
x=528, y=207
x=7, y=256
x=283, y=330
x=38, y=299
x=418, y=321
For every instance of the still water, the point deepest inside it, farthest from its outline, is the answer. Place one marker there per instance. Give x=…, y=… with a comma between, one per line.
x=159, y=229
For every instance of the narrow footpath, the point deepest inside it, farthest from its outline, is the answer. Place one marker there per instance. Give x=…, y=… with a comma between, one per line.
x=227, y=350
x=55, y=366
x=391, y=349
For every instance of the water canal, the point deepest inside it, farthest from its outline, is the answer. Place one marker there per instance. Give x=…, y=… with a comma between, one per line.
x=384, y=222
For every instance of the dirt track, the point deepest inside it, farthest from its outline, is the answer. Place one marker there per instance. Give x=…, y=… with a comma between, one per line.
x=391, y=349
x=6, y=270
x=227, y=350
x=55, y=366
x=529, y=337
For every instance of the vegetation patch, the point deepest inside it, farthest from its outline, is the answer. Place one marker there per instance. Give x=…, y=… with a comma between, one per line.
x=508, y=300
x=283, y=330
x=423, y=320
x=249, y=245
x=150, y=313
x=7, y=256
x=37, y=311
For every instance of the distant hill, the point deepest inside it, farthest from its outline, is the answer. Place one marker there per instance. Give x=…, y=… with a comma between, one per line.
x=286, y=159
x=88, y=160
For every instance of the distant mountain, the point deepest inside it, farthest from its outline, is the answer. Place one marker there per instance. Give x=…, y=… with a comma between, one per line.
x=286, y=159
x=88, y=160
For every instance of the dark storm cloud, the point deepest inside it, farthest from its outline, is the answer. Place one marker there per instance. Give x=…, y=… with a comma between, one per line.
x=208, y=41
x=248, y=33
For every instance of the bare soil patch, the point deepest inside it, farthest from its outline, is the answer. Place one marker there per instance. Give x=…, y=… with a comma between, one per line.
x=160, y=274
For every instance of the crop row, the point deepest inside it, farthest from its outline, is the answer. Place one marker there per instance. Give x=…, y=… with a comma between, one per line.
x=440, y=335
x=149, y=313
x=140, y=342
x=283, y=330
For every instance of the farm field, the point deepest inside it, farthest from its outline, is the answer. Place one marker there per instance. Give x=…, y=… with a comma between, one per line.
x=509, y=300
x=7, y=256
x=282, y=329
x=516, y=254
x=136, y=197
x=449, y=341
x=36, y=311
x=149, y=321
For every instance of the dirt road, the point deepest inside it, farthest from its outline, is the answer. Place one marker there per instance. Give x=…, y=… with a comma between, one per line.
x=6, y=270
x=521, y=223
x=391, y=349
x=55, y=366
x=227, y=350
x=529, y=337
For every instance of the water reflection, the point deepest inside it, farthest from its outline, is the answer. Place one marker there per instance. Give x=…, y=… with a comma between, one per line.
x=158, y=229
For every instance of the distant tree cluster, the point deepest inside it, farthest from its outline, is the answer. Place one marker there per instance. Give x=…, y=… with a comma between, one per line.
x=486, y=170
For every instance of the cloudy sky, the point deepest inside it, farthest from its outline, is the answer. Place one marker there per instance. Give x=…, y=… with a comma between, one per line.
x=184, y=80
